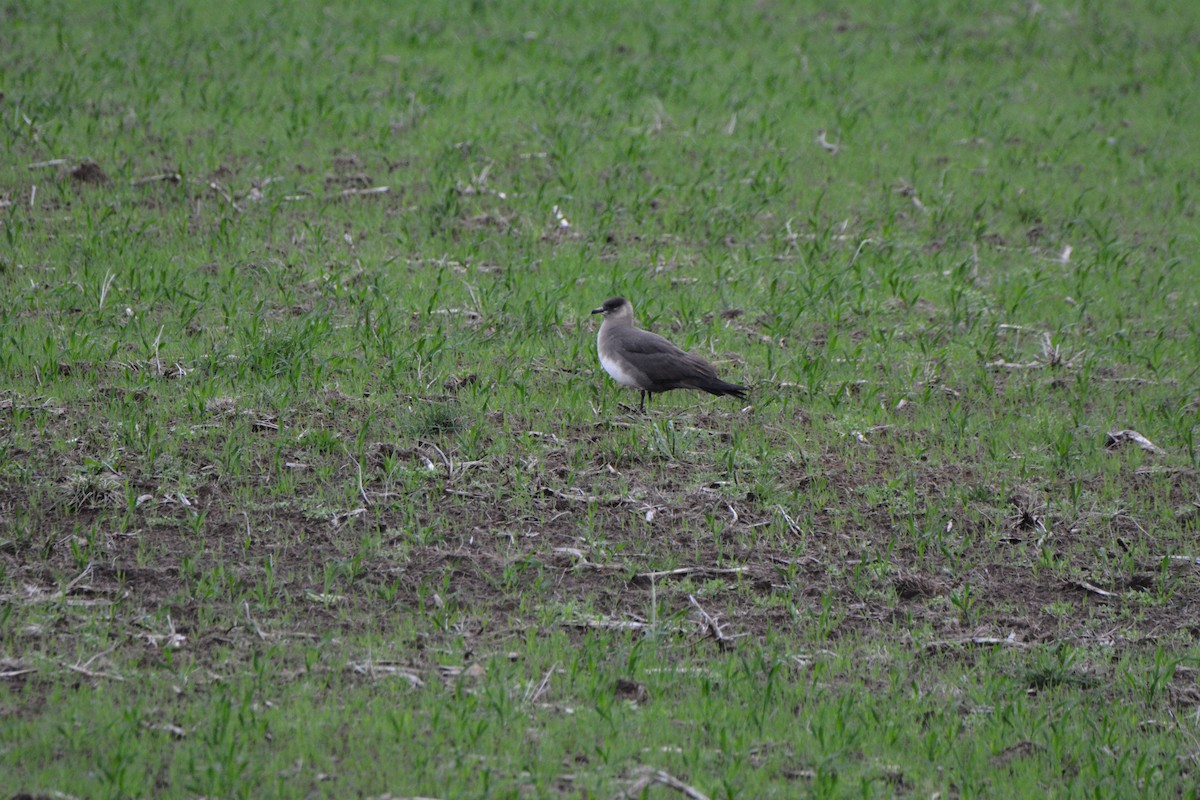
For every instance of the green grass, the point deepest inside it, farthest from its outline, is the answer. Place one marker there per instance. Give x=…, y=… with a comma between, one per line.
x=310, y=481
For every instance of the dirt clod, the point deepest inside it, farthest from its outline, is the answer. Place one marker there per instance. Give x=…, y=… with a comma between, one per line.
x=89, y=172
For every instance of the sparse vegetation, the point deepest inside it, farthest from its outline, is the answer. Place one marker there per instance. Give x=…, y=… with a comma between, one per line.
x=311, y=484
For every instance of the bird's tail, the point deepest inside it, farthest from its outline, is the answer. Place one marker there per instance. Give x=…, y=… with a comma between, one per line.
x=720, y=387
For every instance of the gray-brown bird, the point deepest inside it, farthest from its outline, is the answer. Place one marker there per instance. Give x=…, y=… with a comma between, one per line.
x=646, y=361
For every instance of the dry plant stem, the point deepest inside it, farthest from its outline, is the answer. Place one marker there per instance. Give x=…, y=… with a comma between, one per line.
x=650, y=776
x=712, y=627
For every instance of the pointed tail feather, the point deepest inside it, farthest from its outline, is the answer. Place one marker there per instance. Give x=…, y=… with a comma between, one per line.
x=720, y=387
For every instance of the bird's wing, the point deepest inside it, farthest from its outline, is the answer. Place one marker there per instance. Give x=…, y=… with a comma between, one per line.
x=645, y=343
x=664, y=364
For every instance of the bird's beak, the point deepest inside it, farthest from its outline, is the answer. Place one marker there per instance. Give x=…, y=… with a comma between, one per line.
x=597, y=310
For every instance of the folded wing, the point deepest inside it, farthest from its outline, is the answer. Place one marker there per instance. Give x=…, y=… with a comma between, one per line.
x=664, y=366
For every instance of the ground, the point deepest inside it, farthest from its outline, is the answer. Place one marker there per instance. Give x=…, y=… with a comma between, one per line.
x=311, y=482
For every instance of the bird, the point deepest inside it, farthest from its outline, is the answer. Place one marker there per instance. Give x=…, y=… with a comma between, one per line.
x=649, y=363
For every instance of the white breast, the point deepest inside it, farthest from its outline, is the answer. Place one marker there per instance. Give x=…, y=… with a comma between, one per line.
x=619, y=375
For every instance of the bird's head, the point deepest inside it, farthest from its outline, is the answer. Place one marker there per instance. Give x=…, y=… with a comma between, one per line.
x=617, y=308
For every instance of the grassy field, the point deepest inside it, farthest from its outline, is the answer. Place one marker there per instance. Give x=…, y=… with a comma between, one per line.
x=311, y=484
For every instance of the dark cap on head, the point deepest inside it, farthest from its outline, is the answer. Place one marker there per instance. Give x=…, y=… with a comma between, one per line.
x=610, y=305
